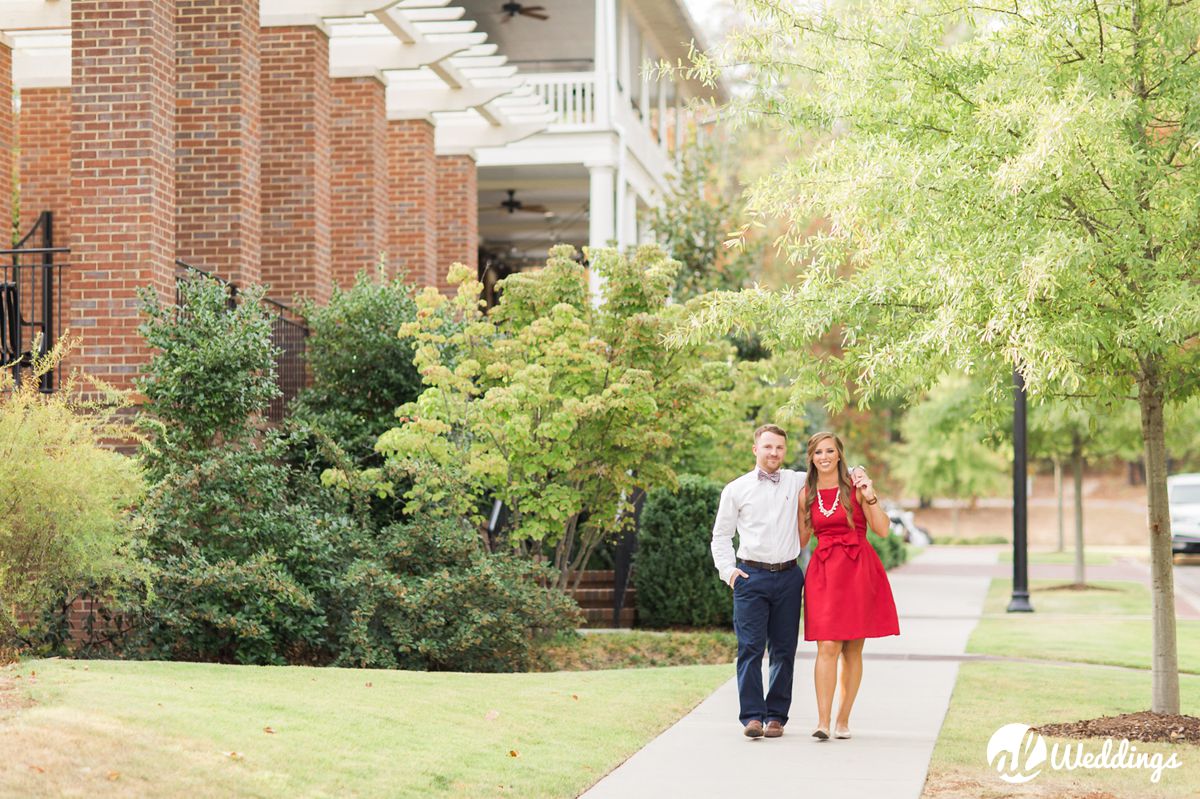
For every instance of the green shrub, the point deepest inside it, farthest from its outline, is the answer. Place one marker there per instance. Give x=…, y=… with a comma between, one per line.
x=890, y=549
x=244, y=552
x=435, y=599
x=254, y=561
x=65, y=526
x=245, y=560
x=673, y=568
x=213, y=373
x=362, y=371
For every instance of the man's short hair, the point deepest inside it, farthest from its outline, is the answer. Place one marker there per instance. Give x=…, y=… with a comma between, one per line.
x=769, y=428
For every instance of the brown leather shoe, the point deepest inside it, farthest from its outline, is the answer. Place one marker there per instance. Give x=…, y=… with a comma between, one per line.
x=754, y=729
x=774, y=729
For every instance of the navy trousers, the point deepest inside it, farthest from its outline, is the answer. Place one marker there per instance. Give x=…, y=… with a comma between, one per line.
x=766, y=615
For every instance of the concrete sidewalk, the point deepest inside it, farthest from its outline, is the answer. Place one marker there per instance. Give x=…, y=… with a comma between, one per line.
x=905, y=692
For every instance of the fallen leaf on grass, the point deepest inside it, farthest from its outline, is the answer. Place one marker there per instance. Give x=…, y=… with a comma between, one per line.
x=234, y=755
x=575, y=697
x=513, y=753
x=268, y=731
x=491, y=715
x=370, y=685
x=113, y=776
x=38, y=769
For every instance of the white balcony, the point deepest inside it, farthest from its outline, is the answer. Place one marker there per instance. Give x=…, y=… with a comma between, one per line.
x=570, y=95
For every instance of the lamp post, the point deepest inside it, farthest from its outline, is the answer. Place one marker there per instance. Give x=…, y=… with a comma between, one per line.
x=1020, y=584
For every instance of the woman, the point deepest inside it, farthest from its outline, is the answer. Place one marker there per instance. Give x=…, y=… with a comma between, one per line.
x=847, y=598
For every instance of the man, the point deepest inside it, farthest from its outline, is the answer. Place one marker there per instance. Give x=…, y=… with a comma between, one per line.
x=762, y=506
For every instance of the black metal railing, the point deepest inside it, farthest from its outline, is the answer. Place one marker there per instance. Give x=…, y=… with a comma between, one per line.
x=31, y=287
x=289, y=337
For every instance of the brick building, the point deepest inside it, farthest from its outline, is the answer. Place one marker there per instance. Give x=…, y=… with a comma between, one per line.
x=295, y=142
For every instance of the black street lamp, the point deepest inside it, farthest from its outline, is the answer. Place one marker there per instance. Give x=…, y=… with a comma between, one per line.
x=1020, y=593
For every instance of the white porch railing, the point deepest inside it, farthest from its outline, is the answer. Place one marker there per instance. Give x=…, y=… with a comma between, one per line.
x=572, y=96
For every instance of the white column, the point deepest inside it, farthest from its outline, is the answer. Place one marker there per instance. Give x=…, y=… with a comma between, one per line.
x=680, y=121
x=663, y=82
x=601, y=215
x=627, y=225
x=605, y=59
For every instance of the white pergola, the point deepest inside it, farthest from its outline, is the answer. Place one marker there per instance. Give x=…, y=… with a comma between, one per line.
x=432, y=61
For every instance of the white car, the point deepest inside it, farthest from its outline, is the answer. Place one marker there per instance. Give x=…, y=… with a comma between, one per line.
x=1183, y=498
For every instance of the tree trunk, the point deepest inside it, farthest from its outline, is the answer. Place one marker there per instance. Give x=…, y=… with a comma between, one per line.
x=1165, y=663
x=1077, y=470
x=1058, y=492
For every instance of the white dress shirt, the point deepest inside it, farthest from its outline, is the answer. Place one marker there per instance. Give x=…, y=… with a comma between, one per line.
x=764, y=514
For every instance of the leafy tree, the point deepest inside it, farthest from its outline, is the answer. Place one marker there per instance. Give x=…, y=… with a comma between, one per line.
x=1008, y=187
x=693, y=223
x=945, y=452
x=558, y=407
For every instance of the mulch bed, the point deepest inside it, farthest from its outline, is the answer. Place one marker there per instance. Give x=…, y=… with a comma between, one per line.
x=1144, y=726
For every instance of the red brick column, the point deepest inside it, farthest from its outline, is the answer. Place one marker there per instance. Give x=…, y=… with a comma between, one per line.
x=122, y=175
x=412, y=188
x=44, y=170
x=7, y=140
x=296, y=99
x=458, y=215
x=359, y=191
x=218, y=222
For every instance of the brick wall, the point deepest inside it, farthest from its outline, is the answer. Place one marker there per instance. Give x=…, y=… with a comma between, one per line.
x=122, y=175
x=412, y=189
x=217, y=224
x=7, y=139
x=43, y=136
x=296, y=100
x=458, y=216
x=358, y=190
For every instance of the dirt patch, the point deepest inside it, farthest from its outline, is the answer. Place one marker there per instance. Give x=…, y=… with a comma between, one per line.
x=1078, y=587
x=638, y=649
x=1144, y=726
x=957, y=785
x=11, y=699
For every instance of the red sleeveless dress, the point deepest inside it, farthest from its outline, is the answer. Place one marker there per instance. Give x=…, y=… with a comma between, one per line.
x=846, y=589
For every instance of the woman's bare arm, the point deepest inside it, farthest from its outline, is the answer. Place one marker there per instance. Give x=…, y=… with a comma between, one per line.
x=877, y=519
x=802, y=519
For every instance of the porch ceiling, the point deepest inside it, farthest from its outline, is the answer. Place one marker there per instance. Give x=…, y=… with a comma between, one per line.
x=523, y=237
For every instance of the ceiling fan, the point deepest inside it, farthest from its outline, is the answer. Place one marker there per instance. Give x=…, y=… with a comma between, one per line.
x=512, y=204
x=511, y=10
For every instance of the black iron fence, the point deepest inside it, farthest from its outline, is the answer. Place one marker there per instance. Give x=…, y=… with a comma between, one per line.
x=289, y=336
x=31, y=287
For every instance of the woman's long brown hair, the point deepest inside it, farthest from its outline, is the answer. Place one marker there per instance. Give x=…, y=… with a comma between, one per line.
x=844, y=484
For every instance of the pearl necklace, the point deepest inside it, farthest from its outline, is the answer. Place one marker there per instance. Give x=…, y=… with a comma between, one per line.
x=821, y=504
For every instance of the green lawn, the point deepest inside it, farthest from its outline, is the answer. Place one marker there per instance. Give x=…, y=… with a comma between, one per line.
x=989, y=695
x=1092, y=626
x=115, y=728
x=1090, y=557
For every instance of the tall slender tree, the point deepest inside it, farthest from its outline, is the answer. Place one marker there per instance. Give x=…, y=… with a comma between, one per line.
x=1013, y=186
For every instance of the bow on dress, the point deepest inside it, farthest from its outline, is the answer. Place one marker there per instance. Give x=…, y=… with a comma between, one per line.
x=846, y=539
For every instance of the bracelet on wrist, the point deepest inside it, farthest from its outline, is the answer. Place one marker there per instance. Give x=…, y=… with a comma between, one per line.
x=873, y=500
